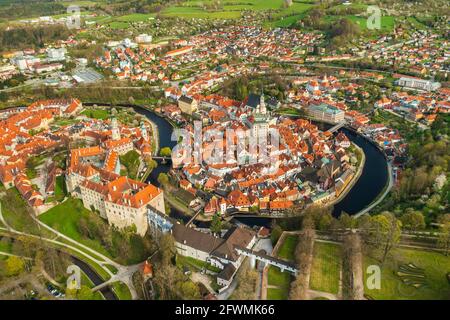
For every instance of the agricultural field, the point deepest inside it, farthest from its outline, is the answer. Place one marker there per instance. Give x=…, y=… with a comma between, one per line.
x=232, y=9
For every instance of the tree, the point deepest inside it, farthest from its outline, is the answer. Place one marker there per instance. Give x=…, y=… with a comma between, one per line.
x=163, y=179
x=152, y=164
x=189, y=290
x=165, y=152
x=444, y=238
x=385, y=232
x=246, y=283
x=14, y=266
x=166, y=248
x=352, y=275
x=325, y=221
x=303, y=256
x=413, y=220
x=84, y=293
x=347, y=221
x=275, y=234
x=216, y=224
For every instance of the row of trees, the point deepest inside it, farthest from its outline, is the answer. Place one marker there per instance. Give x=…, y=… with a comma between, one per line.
x=246, y=283
x=26, y=36
x=304, y=253
x=169, y=280
x=125, y=245
x=380, y=233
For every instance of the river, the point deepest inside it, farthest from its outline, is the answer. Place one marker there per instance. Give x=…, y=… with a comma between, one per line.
x=373, y=179
x=95, y=278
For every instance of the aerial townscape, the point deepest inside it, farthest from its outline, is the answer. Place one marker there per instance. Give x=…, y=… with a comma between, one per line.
x=224, y=150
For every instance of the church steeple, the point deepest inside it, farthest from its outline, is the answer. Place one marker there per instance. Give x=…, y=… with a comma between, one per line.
x=262, y=104
x=115, y=131
x=144, y=131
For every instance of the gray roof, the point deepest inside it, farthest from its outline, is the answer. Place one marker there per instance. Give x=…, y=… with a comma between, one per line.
x=227, y=272
x=219, y=247
x=200, y=241
x=186, y=99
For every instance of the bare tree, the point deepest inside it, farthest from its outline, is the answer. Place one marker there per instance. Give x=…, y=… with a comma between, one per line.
x=304, y=256
x=352, y=275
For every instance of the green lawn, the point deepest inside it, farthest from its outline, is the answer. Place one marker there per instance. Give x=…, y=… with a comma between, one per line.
x=85, y=281
x=16, y=213
x=136, y=17
x=435, y=265
x=326, y=267
x=197, y=265
x=121, y=290
x=276, y=294
x=285, y=22
x=131, y=161
x=118, y=25
x=112, y=268
x=60, y=188
x=96, y=113
x=5, y=245
x=65, y=217
x=287, y=249
x=64, y=122
x=282, y=280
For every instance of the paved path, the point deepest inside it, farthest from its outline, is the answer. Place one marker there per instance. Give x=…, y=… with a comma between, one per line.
x=124, y=273
x=380, y=198
x=203, y=279
x=13, y=255
x=314, y=294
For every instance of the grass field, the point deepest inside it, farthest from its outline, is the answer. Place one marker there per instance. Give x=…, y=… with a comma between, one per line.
x=96, y=113
x=118, y=25
x=87, y=282
x=16, y=214
x=232, y=9
x=387, y=22
x=195, y=264
x=287, y=249
x=121, y=290
x=60, y=188
x=435, y=265
x=65, y=218
x=325, y=271
x=136, y=17
x=131, y=161
x=281, y=282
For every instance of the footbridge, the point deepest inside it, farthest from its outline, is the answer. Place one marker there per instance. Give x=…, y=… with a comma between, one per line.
x=162, y=158
x=337, y=126
x=260, y=256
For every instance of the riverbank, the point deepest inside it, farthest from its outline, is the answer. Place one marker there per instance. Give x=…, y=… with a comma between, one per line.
x=370, y=182
x=355, y=178
x=155, y=136
x=381, y=197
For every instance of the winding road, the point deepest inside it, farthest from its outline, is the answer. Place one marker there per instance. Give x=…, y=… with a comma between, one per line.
x=124, y=273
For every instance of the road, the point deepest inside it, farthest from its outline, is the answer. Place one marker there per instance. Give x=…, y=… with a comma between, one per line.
x=124, y=273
